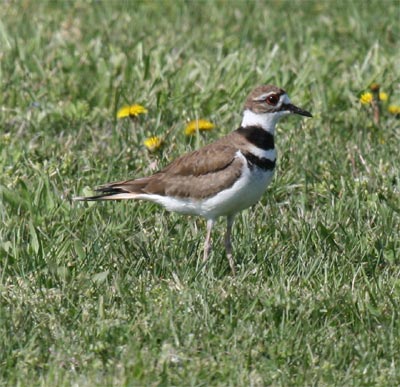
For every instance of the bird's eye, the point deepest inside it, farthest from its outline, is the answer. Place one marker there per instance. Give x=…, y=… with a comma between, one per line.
x=272, y=99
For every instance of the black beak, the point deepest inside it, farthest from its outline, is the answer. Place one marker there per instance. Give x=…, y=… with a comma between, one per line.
x=295, y=110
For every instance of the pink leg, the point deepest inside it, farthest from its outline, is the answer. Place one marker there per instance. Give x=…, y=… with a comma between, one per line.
x=207, y=243
x=228, y=243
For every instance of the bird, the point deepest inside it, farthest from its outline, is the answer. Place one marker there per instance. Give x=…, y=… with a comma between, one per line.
x=221, y=178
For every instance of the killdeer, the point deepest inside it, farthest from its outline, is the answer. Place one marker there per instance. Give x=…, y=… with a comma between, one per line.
x=223, y=177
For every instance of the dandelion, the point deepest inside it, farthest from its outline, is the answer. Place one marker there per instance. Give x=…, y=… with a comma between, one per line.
x=132, y=111
x=383, y=96
x=394, y=109
x=367, y=97
x=153, y=143
x=193, y=126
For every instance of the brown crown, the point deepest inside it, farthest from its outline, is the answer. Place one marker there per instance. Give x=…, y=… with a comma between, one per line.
x=254, y=105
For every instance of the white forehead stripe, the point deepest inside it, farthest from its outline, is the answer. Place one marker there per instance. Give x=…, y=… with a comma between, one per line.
x=284, y=99
x=262, y=97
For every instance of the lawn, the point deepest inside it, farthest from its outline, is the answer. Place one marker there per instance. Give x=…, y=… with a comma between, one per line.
x=115, y=294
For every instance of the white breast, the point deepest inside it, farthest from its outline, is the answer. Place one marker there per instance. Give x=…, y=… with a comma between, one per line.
x=244, y=193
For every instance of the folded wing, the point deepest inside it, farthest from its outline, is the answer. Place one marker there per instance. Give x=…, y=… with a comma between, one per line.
x=199, y=174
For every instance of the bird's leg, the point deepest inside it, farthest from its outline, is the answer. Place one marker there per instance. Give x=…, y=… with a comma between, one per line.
x=228, y=243
x=207, y=243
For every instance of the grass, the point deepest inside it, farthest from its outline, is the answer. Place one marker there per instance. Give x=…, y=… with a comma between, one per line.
x=112, y=294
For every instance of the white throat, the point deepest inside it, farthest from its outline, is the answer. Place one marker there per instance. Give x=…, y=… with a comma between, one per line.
x=267, y=121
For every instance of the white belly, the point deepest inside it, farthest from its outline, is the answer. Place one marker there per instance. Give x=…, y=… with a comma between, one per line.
x=244, y=193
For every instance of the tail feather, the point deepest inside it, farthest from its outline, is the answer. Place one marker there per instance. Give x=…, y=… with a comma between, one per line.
x=127, y=189
x=108, y=193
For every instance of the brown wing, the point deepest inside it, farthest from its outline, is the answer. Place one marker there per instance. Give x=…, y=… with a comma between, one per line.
x=198, y=174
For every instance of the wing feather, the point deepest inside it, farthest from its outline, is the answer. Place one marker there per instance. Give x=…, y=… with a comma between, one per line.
x=198, y=174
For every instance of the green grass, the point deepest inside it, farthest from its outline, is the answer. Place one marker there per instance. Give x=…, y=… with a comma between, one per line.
x=113, y=294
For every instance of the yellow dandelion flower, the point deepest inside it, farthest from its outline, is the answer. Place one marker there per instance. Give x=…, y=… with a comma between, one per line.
x=394, y=109
x=366, y=98
x=131, y=111
x=153, y=143
x=383, y=96
x=123, y=112
x=193, y=126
